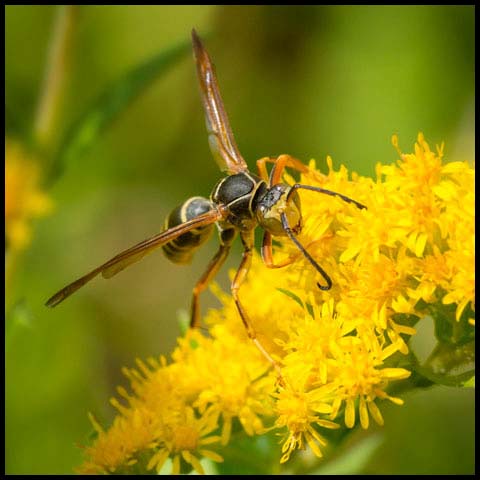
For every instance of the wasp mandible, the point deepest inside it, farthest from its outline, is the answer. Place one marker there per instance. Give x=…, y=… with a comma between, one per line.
x=239, y=203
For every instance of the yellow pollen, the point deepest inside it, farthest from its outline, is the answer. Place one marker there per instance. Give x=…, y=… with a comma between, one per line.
x=185, y=438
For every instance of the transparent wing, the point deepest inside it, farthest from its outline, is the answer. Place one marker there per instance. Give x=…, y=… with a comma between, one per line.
x=220, y=136
x=134, y=254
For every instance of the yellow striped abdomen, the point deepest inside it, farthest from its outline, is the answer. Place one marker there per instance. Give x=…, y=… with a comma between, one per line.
x=182, y=248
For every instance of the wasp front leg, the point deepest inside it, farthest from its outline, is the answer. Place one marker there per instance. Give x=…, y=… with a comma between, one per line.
x=267, y=253
x=226, y=238
x=247, y=240
x=279, y=165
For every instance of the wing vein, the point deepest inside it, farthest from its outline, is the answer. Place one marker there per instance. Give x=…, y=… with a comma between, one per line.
x=135, y=253
x=224, y=148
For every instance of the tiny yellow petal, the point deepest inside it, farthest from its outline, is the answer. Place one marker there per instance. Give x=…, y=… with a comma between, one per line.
x=395, y=373
x=349, y=253
x=193, y=461
x=315, y=448
x=420, y=244
x=350, y=413
x=460, y=308
x=375, y=412
x=363, y=413
x=176, y=465
x=211, y=455
x=121, y=408
x=157, y=460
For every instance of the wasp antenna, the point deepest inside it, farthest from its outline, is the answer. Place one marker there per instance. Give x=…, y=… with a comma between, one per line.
x=327, y=192
x=317, y=267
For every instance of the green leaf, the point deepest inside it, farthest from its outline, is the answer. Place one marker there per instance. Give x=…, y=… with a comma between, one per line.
x=451, y=365
x=448, y=329
x=353, y=460
x=245, y=455
x=470, y=383
x=111, y=103
x=290, y=294
x=297, y=299
x=446, y=353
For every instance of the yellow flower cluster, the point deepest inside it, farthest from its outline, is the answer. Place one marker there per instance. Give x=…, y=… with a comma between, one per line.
x=338, y=350
x=23, y=198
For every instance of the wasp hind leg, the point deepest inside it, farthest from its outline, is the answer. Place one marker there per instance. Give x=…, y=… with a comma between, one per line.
x=247, y=240
x=226, y=239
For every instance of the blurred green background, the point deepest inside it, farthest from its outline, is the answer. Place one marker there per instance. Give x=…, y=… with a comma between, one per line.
x=308, y=80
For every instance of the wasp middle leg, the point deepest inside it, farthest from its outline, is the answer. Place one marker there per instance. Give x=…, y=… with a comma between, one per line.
x=247, y=240
x=226, y=238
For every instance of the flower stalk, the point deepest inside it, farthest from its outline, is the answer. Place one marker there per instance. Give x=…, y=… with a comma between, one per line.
x=57, y=66
x=342, y=352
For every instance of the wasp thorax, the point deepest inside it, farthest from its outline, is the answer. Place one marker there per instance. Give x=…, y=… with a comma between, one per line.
x=238, y=194
x=279, y=199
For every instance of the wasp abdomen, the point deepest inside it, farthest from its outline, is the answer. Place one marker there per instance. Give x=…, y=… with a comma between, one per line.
x=182, y=248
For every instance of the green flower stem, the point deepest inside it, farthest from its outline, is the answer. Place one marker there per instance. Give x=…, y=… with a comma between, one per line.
x=55, y=75
x=51, y=94
x=12, y=258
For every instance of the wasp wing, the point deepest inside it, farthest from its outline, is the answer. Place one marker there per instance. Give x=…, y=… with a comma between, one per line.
x=220, y=136
x=135, y=253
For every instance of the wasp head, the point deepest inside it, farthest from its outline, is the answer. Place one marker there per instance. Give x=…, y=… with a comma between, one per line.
x=279, y=199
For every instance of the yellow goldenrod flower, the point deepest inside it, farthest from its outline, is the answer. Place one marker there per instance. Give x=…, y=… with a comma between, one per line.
x=410, y=253
x=212, y=375
x=157, y=422
x=299, y=410
x=24, y=199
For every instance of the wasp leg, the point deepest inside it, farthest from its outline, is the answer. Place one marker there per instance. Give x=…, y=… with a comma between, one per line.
x=267, y=253
x=247, y=240
x=279, y=165
x=262, y=167
x=226, y=239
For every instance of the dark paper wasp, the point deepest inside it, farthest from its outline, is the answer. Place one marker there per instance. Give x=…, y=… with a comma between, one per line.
x=238, y=203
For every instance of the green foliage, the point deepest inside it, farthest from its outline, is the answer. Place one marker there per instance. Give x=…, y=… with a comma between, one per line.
x=353, y=460
x=112, y=102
